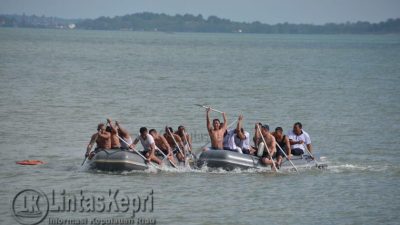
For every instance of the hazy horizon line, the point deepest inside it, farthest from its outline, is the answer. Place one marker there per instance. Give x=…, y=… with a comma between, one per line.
x=204, y=17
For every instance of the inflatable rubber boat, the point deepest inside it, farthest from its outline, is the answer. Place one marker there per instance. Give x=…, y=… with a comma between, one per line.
x=229, y=160
x=124, y=160
x=117, y=160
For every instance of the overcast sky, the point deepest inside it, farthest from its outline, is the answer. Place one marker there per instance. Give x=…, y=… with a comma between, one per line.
x=266, y=11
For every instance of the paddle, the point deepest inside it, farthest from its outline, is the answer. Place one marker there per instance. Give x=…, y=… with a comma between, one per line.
x=305, y=147
x=192, y=156
x=287, y=158
x=84, y=160
x=165, y=156
x=187, y=142
x=210, y=108
x=179, y=149
x=266, y=146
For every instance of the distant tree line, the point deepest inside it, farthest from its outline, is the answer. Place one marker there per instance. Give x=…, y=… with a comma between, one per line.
x=190, y=23
x=35, y=21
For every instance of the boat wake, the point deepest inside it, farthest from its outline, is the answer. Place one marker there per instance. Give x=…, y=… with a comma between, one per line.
x=202, y=170
x=347, y=168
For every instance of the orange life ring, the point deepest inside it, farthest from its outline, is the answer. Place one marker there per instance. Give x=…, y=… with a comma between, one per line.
x=30, y=162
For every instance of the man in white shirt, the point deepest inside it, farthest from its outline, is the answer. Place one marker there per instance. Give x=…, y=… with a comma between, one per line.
x=242, y=138
x=148, y=144
x=229, y=140
x=298, y=138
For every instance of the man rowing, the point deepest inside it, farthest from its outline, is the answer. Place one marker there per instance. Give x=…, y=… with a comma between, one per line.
x=115, y=143
x=161, y=144
x=185, y=137
x=175, y=142
x=282, y=143
x=216, y=132
x=148, y=144
x=298, y=138
x=124, y=134
x=257, y=137
x=267, y=152
x=102, y=139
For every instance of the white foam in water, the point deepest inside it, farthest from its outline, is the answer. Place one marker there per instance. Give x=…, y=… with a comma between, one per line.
x=351, y=167
x=203, y=169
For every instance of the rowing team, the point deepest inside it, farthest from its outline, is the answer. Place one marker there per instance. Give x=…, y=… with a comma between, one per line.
x=270, y=146
x=171, y=143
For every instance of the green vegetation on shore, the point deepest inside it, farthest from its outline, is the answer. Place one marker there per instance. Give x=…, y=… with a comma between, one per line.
x=190, y=23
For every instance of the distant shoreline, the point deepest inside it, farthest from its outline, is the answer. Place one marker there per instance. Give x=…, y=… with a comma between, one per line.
x=153, y=22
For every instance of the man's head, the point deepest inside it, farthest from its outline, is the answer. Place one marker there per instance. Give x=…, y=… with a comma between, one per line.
x=297, y=128
x=168, y=130
x=265, y=129
x=216, y=124
x=108, y=129
x=181, y=129
x=101, y=127
x=143, y=132
x=278, y=132
x=153, y=132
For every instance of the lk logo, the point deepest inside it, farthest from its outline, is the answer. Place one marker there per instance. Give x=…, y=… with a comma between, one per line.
x=30, y=207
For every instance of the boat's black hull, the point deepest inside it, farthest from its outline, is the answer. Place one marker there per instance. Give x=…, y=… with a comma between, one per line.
x=117, y=160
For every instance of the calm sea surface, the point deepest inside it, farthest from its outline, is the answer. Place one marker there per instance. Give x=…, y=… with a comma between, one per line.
x=56, y=85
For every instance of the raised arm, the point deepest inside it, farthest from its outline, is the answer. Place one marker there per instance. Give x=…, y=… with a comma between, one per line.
x=124, y=132
x=209, y=128
x=239, y=132
x=113, y=128
x=225, y=126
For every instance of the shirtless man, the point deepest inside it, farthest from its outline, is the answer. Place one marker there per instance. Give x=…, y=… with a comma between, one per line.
x=162, y=144
x=185, y=137
x=115, y=144
x=216, y=132
x=124, y=134
x=148, y=144
x=102, y=139
x=171, y=142
x=268, y=153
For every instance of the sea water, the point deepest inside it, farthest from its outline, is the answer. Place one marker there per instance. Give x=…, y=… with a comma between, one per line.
x=57, y=85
